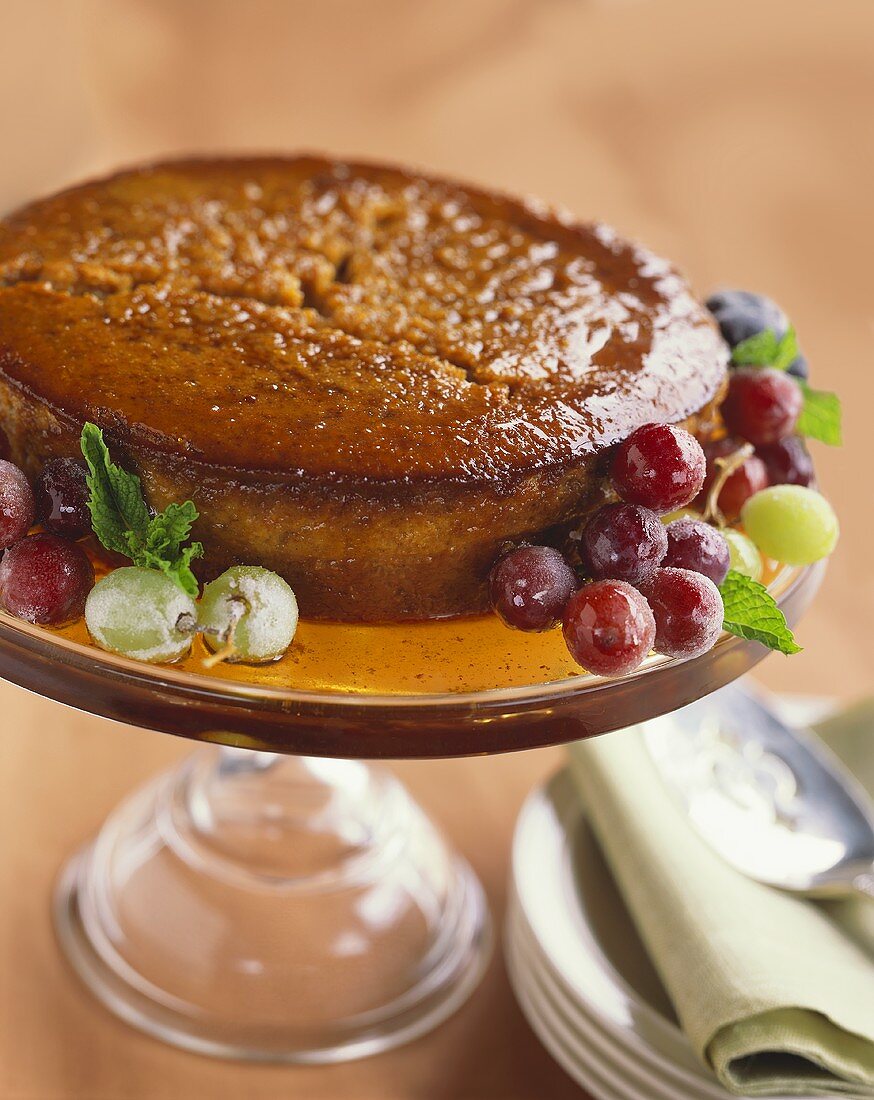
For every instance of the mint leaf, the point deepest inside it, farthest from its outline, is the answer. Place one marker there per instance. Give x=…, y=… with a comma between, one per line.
x=766, y=349
x=751, y=612
x=787, y=351
x=820, y=416
x=116, y=502
x=121, y=520
x=170, y=528
x=759, y=350
x=163, y=547
x=177, y=566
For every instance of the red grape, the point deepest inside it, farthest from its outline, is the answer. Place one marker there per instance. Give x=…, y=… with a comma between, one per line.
x=762, y=405
x=45, y=579
x=660, y=467
x=688, y=612
x=746, y=481
x=62, y=498
x=693, y=544
x=608, y=628
x=749, y=478
x=530, y=586
x=788, y=462
x=16, y=504
x=624, y=542
x=713, y=449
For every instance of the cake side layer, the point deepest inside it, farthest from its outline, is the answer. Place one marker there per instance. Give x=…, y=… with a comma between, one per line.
x=370, y=555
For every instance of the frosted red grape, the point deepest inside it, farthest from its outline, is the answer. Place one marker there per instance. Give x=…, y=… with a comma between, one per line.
x=788, y=462
x=608, y=628
x=45, y=579
x=749, y=478
x=624, y=542
x=16, y=504
x=762, y=405
x=688, y=612
x=659, y=466
x=62, y=498
x=530, y=586
x=746, y=481
x=693, y=544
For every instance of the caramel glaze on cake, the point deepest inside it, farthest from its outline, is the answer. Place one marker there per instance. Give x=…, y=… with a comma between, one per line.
x=367, y=379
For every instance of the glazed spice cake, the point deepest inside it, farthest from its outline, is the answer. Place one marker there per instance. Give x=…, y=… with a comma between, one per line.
x=369, y=380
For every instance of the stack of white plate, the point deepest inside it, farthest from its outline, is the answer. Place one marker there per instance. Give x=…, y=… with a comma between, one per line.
x=579, y=970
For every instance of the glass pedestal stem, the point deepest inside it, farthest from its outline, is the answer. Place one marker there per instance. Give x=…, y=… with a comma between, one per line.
x=275, y=908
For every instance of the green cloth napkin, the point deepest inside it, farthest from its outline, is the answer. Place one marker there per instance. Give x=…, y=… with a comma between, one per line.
x=775, y=993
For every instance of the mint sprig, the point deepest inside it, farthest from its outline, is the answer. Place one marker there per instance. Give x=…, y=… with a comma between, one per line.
x=751, y=612
x=766, y=349
x=821, y=412
x=820, y=416
x=122, y=522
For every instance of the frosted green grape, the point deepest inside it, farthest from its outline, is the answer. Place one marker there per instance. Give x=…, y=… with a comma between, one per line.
x=745, y=557
x=791, y=524
x=257, y=605
x=141, y=613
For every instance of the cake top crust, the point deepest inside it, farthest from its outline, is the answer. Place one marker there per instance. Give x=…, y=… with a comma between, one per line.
x=299, y=317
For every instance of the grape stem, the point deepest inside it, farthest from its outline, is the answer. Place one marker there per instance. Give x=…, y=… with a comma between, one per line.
x=726, y=467
x=238, y=609
x=186, y=623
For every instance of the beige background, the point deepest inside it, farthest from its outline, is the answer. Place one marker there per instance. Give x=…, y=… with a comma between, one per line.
x=736, y=138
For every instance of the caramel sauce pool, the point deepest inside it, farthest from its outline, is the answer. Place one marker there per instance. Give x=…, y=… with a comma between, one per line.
x=448, y=655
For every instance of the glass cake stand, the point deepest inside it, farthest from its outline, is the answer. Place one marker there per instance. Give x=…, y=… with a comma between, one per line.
x=274, y=898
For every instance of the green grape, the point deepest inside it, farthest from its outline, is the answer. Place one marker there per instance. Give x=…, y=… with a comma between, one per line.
x=252, y=608
x=791, y=524
x=141, y=613
x=744, y=555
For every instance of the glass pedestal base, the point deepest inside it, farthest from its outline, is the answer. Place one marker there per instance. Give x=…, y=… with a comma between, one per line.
x=284, y=909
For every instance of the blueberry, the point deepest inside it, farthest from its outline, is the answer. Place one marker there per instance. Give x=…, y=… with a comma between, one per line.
x=799, y=368
x=740, y=314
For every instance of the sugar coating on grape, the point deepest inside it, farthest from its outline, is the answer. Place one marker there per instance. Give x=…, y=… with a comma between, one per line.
x=694, y=544
x=45, y=579
x=791, y=523
x=16, y=504
x=659, y=466
x=141, y=613
x=530, y=586
x=744, y=556
x=762, y=405
x=688, y=612
x=257, y=605
x=608, y=628
x=624, y=542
